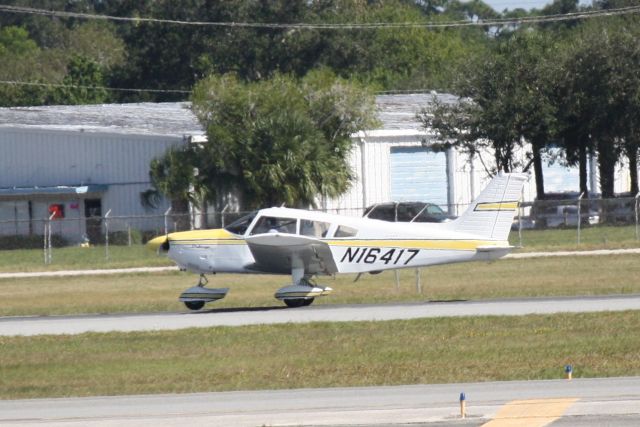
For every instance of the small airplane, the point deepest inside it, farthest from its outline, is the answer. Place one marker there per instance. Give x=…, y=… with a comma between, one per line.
x=305, y=244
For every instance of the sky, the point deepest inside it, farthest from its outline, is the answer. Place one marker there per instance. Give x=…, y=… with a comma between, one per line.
x=500, y=5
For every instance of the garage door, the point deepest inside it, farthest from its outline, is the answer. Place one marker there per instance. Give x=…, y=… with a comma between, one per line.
x=419, y=174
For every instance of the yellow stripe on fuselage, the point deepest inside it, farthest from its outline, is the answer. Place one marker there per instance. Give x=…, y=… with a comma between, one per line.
x=218, y=233
x=218, y=236
x=460, y=245
x=500, y=206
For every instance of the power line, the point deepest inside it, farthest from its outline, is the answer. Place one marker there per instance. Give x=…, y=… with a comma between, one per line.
x=182, y=91
x=321, y=26
x=115, y=89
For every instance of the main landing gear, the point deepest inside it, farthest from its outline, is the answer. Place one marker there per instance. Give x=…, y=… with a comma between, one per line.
x=303, y=292
x=196, y=297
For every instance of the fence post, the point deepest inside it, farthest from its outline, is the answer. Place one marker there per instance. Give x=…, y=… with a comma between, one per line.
x=580, y=214
x=129, y=233
x=222, y=213
x=520, y=222
x=50, y=245
x=637, y=199
x=50, y=240
x=418, y=283
x=45, y=246
x=166, y=221
x=106, y=234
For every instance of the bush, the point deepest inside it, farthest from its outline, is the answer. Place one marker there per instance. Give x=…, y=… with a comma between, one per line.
x=31, y=242
x=121, y=238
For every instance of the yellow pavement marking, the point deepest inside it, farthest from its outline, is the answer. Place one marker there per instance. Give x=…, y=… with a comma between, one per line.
x=530, y=413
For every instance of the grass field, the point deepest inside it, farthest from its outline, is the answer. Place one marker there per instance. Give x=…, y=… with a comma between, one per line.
x=73, y=258
x=600, y=237
x=77, y=258
x=321, y=355
x=159, y=291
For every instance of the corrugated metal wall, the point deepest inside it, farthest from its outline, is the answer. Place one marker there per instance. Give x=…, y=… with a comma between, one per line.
x=46, y=158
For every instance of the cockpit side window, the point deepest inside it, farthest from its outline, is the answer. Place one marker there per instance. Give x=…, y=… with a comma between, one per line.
x=344, y=231
x=314, y=228
x=240, y=225
x=271, y=224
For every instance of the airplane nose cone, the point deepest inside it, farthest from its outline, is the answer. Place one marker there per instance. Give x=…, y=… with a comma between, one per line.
x=156, y=243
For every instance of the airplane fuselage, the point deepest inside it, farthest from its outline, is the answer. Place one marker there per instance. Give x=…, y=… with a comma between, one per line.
x=357, y=245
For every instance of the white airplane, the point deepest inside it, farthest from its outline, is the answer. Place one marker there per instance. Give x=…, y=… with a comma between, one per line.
x=305, y=244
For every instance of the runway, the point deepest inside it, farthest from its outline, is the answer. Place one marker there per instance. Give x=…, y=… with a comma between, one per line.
x=55, y=325
x=588, y=402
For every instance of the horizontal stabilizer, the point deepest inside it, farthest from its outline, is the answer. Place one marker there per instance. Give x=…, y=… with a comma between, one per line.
x=493, y=252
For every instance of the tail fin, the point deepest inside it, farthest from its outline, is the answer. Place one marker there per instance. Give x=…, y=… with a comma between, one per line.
x=492, y=213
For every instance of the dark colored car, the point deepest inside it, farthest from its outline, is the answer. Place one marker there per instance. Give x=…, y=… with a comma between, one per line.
x=407, y=212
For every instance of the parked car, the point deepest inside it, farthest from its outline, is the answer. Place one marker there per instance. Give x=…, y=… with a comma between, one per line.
x=561, y=210
x=407, y=212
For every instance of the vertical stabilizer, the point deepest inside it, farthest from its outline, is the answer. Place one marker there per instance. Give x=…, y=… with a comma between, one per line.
x=492, y=213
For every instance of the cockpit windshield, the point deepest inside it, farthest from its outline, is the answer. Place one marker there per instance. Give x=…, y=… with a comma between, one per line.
x=240, y=226
x=271, y=224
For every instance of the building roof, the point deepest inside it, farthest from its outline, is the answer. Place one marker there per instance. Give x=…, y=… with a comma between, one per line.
x=395, y=112
x=399, y=111
x=26, y=193
x=147, y=118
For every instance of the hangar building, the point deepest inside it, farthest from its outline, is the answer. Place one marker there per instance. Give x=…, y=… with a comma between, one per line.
x=79, y=162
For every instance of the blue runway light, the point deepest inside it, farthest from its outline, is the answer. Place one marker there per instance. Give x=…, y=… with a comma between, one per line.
x=568, y=369
x=463, y=406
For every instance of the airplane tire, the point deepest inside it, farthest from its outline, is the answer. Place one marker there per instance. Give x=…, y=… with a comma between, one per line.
x=194, y=305
x=295, y=302
x=308, y=302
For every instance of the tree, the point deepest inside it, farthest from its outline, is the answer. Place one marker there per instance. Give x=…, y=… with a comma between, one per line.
x=83, y=84
x=172, y=176
x=23, y=60
x=597, y=88
x=483, y=117
x=271, y=142
x=505, y=101
x=83, y=56
x=530, y=57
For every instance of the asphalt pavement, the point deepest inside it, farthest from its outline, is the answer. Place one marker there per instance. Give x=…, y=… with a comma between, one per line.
x=585, y=402
x=55, y=325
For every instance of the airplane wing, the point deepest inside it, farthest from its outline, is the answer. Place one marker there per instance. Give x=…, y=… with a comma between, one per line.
x=281, y=252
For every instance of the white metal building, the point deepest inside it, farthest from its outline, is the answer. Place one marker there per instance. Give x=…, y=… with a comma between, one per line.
x=397, y=163
x=77, y=162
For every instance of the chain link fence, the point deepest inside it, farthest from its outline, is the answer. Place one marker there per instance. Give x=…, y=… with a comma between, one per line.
x=572, y=217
